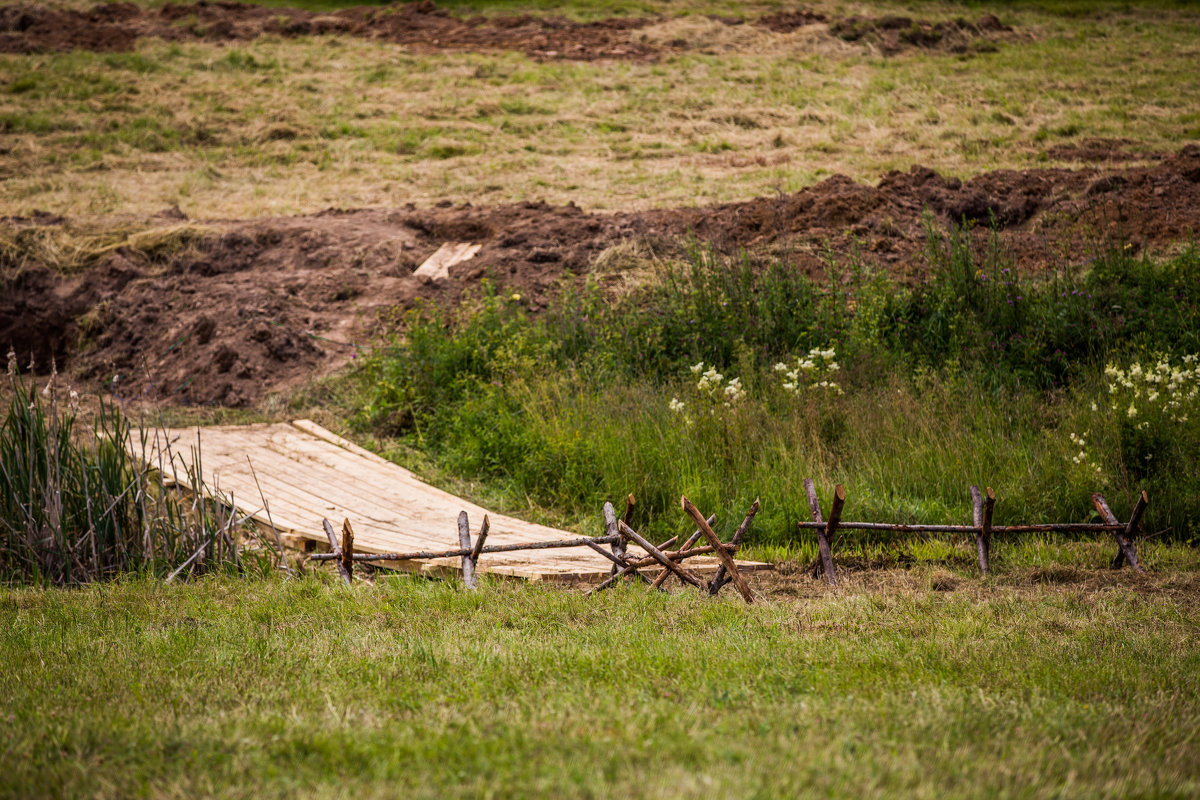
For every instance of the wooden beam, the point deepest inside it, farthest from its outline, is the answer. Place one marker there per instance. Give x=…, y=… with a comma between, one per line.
x=459, y=551
x=347, y=559
x=631, y=567
x=661, y=578
x=483, y=533
x=685, y=575
x=337, y=550
x=983, y=523
x=715, y=542
x=618, y=543
x=1125, y=548
x=835, y=511
x=722, y=576
x=824, y=546
x=989, y=506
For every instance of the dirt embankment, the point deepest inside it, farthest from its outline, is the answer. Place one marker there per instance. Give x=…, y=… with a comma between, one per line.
x=30, y=28
x=253, y=307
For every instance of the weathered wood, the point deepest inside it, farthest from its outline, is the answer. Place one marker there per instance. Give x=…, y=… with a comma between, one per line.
x=622, y=566
x=721, y=578
x=483, y=533
x=1135, y=519
x=1061, y=527
x=680, y=555
x=618, y=543
x=989, y=506
x=824, y=546
x=347, y=559
x=1126, y=551
x=627, y=518
x=629, y=567
x=464, y=540
x=688, y=545
x=685, y=575
x=715, y=541
x=983, y=524
x=497, y=548
x=336, y=555
x=835, y=511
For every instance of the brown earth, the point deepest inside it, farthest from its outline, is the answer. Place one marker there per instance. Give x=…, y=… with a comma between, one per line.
x=260, y=306
x=29, y=28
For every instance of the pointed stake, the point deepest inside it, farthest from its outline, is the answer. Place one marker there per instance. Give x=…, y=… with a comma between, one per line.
x=715, y=542
x=348, y=548
x=835, y=512
x=823, y=543
x=661, y=578
x=337, y=550
x=478, y=548
x=464, y=541
x=1125, y=547
x=610, y=528
x=983, y=521
x=685, y=574
x=722, y=577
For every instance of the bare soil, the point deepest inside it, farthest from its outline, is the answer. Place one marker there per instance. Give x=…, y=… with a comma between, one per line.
x=262, y=306
x=29, y=28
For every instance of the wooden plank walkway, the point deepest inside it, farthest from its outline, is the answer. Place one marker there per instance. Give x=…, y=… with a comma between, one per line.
x=307, y=473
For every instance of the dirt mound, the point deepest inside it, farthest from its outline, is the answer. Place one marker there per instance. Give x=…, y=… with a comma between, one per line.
x=256, y=307
x=788, y=21
x=1095, y=151
x=30, y=28
x=894, y=34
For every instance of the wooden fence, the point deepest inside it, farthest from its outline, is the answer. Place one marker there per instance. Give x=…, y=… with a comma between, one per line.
x=982, y=528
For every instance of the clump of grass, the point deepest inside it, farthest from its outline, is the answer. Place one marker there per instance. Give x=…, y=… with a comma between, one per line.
x=77, y=507
x=71, y=249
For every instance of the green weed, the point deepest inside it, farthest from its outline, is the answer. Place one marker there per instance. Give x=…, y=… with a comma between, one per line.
x=976, y=376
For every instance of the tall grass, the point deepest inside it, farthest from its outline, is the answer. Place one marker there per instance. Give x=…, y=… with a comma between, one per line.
x=976, y=375
x=78, y=506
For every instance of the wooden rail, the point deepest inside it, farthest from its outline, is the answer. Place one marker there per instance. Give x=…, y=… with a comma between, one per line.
x=982, y=529
x=620, y=534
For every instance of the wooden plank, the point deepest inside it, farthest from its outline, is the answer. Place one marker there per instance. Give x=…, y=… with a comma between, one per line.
x=306, y=473
x=436, y=268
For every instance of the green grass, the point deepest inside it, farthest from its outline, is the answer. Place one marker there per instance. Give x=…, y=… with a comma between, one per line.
x=1029, y=686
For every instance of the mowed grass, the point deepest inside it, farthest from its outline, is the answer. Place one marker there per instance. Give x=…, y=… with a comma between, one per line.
x=276, y=126
x=1028, y=685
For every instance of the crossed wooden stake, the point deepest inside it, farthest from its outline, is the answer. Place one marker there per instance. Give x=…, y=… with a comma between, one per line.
x=670, y=560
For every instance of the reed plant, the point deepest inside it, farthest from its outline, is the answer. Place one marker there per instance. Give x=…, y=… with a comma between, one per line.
x=80, y=505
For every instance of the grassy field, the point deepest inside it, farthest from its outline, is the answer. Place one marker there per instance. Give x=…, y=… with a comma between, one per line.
x=1053, y=678
x=278, y=126
x=1038, y=683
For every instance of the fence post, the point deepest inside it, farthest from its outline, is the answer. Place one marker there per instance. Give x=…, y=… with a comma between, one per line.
x=983, y=521
x=823, y=544
x=464, y=541
x=348, y=548
x=1126, y=551
x=337, y=550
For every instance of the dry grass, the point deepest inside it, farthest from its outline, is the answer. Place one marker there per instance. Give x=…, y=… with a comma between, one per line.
x=277, y=127
x=72, y=248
